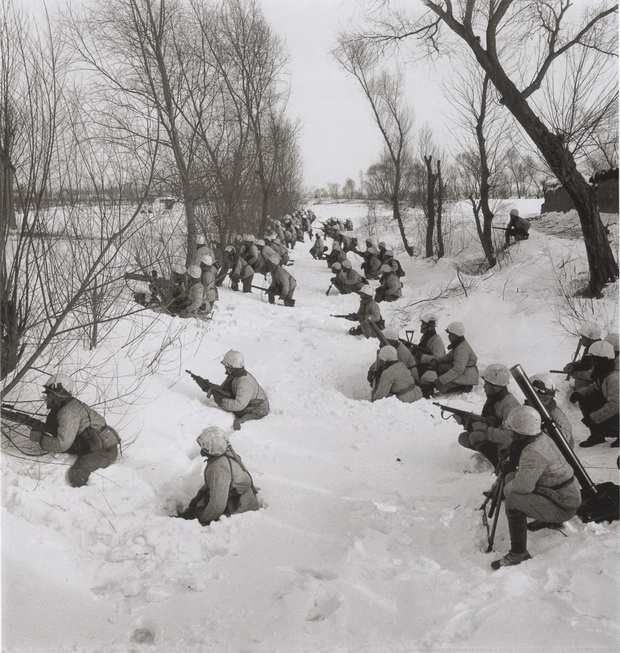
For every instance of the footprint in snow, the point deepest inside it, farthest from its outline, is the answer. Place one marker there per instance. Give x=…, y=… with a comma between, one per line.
x=324, y=606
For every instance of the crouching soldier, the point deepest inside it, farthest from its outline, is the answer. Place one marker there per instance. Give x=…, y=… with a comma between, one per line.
x=390, y=288
x=394, y=379
x=228, y=489
x=197, y=303
x=598, y=401
x=402, y=352
x=455, y=371
x=318, y=249
x=368, y=310
x=492, y=440
x=543, y=486
x=545, y=389
x=517, y=227
x=241, y=394
x=581, y=370
x=77, y=429
x=283, y=284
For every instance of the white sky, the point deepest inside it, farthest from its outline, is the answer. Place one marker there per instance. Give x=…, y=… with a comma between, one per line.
x=339, y=137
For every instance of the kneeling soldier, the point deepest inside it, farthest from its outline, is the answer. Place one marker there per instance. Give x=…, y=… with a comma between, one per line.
x=79, y=430
x=491, y=440
x=543, y=486
x=394, y=378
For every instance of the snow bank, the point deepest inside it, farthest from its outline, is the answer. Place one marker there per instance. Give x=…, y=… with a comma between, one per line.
x=371, y=537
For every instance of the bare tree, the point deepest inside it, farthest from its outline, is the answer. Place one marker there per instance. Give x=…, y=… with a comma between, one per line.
x=544, y=33
x=393, y=116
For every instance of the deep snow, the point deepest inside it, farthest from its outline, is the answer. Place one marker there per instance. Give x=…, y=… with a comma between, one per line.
x=370, y=539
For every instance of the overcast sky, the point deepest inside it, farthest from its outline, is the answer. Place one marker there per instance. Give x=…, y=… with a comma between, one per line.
x=339, y=137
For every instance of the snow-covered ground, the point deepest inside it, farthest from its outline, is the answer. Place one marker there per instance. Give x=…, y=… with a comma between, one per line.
x=371, y=536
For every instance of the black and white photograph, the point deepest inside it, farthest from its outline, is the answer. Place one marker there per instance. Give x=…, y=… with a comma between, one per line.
x=309, y=326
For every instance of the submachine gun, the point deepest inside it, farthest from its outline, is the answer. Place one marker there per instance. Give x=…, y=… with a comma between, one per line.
x=600, y=501
x=10, y=414
x=466, y=417
x=210, y=388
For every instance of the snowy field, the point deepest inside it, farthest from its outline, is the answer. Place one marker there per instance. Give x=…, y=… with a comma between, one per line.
x=371, y=536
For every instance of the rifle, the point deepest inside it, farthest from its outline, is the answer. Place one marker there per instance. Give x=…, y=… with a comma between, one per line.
x=466, y=416
x=495, y=496
x=500, y=228
x=9, y=413
x=330, y=287
x=206, y=386
x=557, y=372
x=575, y=356
x=600, y=502
x=136, y=276
x=263, y=289
x=348, y=316
x=416, y=349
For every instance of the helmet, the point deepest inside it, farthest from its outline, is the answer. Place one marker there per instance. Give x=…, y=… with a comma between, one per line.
x=369, y=242
x=514, y=212
x=270, y=236
x=456, y=328
x=194, y=271
x=612, y=339
x=388, y=252
x=206, y=259
x=237, y=239
x=233, y=358
x=200, y=240
x=347, y=265
x=382, y=244
x=59, y=381
x=177, y=269
x=366, y=290
x=430, y=376
x=250, y=238
x=543, y=384
x=336, y=266
x=260, y=243
x=524, y=420
x=213, y=440
x=429, y=318
x=385, y=268
x=602, y=349
x=230, y=248
x=590, y=330
x=497, y=374
x=388, y=353
x=391, y=333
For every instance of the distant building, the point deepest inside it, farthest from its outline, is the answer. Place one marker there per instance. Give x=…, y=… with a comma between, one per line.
x=557, y=200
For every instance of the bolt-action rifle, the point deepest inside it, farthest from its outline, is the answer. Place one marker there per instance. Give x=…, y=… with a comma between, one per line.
x=210, y=388
x=466, y=417
x=494, y=496
x=348, y=316
x=600, y=501
x=330, y=287
x=136, y=276
x=9, y=413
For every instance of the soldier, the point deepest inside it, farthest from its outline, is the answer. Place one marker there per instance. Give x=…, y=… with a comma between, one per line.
x=278, y=247
x=228, y=256
x=282, y=284
x=545, y=389
x=492, y=440
x=179, y=289
x=368, y=310
x=268, y=258
x=228, y=486
x=371, y=266
x=543, y=486
x=317, y=250
x=250, y=252
x=197, y=303
x=581, y=370
x=247, y=400
x=598, y=401
x=390, y=287
x=394, y=263
x=394, y=378
x=430, y=341
x=207, y=278
x=347, y=280
x=77, y=430
x=336, y=255
x=201, y=249
x=402, y=352
x=382, y=249
x=455, y=371
x=517, y=227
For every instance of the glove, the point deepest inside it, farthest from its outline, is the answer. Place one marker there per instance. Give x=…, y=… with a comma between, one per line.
x=437, y=384
x=479, y=426
x=433, y=364
x=574, y=397
x=568, y=369
x=458, y=419
x=35, y=435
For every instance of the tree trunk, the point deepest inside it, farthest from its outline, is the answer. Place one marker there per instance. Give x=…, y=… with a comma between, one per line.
x=396, y=211
x=602, y=264
x=430, y=206
x=440, y=247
